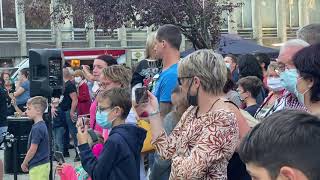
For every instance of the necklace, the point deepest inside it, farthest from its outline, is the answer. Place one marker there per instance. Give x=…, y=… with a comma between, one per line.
x=215, y=102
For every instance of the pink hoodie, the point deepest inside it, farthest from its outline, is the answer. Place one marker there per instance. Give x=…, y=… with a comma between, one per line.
x=93, y=123
x=68, y=171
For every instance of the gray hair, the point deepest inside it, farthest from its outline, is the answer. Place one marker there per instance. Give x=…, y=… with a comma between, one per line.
x=310, y=33
x=68, y=72
x=293, y=43
x=208, y=66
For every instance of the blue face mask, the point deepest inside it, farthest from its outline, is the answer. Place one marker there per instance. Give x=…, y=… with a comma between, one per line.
x=289, y=79
x=102, y=119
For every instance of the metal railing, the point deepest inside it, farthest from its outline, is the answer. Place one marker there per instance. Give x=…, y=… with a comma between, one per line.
x=76, y=34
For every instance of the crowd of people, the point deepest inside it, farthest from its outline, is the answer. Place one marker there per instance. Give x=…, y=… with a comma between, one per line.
x=209, y=117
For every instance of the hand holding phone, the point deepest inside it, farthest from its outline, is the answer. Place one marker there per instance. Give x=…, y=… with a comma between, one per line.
x=59, y=157
x=83, y=120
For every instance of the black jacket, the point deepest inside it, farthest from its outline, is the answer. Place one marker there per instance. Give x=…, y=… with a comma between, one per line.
x=120, y=158
x=3, y=107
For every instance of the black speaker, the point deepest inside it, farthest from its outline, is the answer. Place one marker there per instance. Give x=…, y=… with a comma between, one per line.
x=45, y=71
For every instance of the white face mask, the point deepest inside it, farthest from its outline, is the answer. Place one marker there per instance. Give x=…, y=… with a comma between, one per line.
x=228, y=65
x=275, y=84
x=77, y=79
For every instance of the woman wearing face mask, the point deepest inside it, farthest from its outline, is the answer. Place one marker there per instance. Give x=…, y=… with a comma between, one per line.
x=207, y=135
x=84, y=100
x=276, y=90
x=307, y=63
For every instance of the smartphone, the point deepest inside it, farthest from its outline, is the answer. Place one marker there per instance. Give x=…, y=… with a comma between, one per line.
x=59, y=157
x=85, y=119
x=141, y=95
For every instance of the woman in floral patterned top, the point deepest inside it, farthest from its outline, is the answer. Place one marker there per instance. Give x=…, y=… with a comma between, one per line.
x=207, y=135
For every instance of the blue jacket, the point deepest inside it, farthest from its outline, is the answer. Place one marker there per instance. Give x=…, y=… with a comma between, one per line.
x=120, y=158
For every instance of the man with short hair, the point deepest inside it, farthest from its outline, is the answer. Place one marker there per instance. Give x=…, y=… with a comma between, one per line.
x=283, y=146
x=232, y=64
x=288, y=74
x=310, y=33
x=168, y=40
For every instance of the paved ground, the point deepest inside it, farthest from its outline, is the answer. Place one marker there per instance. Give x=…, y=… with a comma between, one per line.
x=25, y=176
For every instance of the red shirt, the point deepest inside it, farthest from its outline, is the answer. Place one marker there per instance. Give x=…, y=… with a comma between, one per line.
x=84, y=100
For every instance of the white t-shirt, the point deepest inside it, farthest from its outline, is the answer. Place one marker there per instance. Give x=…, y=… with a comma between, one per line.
x=95, y=87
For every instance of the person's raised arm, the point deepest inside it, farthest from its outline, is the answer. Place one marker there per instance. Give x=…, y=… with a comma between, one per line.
x=164, y=144
x=87, y=74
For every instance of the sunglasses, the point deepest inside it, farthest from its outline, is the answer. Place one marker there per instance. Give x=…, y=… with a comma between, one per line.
x=181, y=78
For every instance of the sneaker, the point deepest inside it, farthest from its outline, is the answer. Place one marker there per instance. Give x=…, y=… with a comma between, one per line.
x=77, y=158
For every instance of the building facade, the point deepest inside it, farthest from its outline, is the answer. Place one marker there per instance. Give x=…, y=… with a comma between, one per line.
x=266, y=21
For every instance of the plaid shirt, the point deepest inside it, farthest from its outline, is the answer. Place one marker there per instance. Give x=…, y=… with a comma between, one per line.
x=288, y=101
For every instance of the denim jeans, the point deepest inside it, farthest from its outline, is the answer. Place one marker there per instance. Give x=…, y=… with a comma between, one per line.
x=160, y=169
x=72, y=128
x=58, y=133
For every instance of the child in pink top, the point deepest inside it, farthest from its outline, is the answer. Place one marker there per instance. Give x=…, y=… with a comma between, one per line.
x=68, y=172
x=94, y=125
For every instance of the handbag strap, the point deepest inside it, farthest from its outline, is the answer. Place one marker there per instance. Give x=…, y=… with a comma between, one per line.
x=263, y=104
x=227, y=101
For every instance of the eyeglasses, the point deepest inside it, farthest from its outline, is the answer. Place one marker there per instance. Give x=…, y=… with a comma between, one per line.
x=102, y=109
x=180, y=78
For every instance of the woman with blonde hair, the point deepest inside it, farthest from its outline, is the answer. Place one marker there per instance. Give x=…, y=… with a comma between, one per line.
x=207, y=135
x=111, y=77
x=147, y=68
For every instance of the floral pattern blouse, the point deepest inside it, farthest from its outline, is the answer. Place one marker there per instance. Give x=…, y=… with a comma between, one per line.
x=200, y=147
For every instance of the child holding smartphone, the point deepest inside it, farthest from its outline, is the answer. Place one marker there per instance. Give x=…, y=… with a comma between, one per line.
x=120, y=158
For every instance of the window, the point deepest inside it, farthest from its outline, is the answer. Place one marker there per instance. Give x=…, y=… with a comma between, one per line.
x=9, y=16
